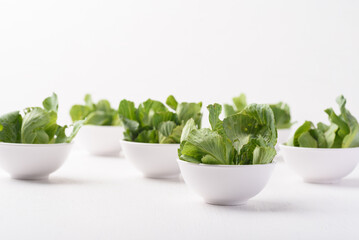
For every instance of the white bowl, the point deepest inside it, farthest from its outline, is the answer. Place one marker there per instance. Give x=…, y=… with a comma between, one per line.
x=321, y=165
x=101, y=140
x=226, y=184
x=32, y=161
x=153, y=160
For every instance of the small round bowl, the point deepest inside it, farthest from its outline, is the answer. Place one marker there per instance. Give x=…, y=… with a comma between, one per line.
x=321, y=165
x=100, y=140
x=153, y=160
x=226, y=184
x=32, y=161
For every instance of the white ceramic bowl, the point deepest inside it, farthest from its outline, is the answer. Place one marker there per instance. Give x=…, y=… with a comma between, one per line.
x=153, y=160
x=321, y=165
x=32, y=161
x=226, y=184
x=101, y=140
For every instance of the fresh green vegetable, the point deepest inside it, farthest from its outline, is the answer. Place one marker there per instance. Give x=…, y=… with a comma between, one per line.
x=37, y=125
x=280, y=110
x=244, y=138
x=100, y=114
x=153, y=122
x=343, y=131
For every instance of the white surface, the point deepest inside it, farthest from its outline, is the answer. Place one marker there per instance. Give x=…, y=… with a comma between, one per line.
x=151, y=159
x=33, y=161
x=302, y=52
x=226, y=184
x=100, y=140
x=106, y=198
x=320, y=165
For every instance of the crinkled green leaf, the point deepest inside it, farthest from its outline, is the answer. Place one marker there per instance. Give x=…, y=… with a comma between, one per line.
x=210, y=143
x=214, y=111
x=240, y=102
x=247, y=138
x=186, y=111
x=228, y=110
x=282, y=116
x=10, y=127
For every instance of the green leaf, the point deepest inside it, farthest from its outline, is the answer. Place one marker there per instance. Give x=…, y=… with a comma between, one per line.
x=127, y=110
x=240, y=102
x=186, y=111
x=282, y=116
x=170, y=133
x=247, y=138
x=352, y=139
x=38, y=126
x=158, y=118
x=88, y=102
x=228, y=110
x=104, y=106
x=319, y=136
x=51, y=103
x=99, y=118
x=79, y=112
x=263, y=155
x=75, y=129
x=172, y=102
x=343, y=126
x=330, y=134
x=307, y=125
x=147, y=136
x=147, y=109
x=306, y=140
x=214, y=111
x=10, y=127
x=190, y=125
x=210, y=143
x=255, y=120
x=166, y=128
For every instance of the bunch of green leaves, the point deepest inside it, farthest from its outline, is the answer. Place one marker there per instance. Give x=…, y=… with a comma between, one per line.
x=244, y=138
x=153, y=122
x=342, y=132
x=280, y=110
x=36, y=126
x=100, y=114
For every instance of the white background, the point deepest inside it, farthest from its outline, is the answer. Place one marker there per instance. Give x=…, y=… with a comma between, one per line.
x=303, y=52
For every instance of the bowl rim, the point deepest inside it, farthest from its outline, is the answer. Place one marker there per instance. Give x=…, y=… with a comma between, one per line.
x=227, y=166
x=36, y=145
x=151, y=144
x=283, y=146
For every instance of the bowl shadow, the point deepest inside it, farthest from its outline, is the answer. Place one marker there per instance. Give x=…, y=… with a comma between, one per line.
x=259, y=206
x=348, y=183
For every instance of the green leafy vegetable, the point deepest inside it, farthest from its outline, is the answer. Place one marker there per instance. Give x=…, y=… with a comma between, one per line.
x=343, y=131
x=36, y=126
x=153, y=122
x=280, y=110
x=244, y=138
x=100, y=114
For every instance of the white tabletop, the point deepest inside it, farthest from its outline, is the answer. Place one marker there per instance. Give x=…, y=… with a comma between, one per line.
x=106, y=198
